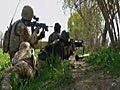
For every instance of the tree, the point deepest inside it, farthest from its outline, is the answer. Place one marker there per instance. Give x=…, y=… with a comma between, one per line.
x=86, y=23
x=112, y=18
x=110, y=10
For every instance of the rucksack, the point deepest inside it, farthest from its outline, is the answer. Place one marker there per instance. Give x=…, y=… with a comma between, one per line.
x=6, y=39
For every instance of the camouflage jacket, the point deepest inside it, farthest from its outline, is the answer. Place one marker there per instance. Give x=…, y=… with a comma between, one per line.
x=54, y=36
x=19, y=34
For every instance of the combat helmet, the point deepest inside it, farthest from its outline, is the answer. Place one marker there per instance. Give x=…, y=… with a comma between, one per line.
x=57, y=27
x=27, y=12
x=24, y=46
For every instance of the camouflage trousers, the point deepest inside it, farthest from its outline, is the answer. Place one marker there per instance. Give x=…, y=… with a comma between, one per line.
x=21, y=70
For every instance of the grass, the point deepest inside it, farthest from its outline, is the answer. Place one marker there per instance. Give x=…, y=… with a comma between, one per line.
x=107, y=60
x=4, y=61
x=55, y=72
x=51, y=75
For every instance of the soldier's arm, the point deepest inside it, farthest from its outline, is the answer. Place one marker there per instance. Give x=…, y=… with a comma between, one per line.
x=34, y=37
x=22, y=31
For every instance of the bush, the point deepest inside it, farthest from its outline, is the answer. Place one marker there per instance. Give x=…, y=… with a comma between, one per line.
x=106, y=59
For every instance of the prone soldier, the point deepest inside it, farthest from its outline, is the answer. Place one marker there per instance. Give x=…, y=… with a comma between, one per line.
x=64, y=47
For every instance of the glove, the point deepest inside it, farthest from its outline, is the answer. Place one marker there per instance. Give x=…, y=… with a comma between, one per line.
x=37, y=30
x=42, y=35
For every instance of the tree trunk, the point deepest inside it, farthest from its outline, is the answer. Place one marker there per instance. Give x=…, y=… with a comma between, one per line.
x=103, y=7
x=104, y=35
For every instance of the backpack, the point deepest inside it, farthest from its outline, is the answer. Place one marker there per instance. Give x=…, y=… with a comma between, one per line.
x=6, y=39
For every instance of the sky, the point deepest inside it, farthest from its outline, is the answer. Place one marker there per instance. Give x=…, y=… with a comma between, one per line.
x=48, y=11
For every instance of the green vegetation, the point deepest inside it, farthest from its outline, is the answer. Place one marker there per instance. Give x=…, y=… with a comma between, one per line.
x=107, y=60
x=53, y=73
x=4, y=61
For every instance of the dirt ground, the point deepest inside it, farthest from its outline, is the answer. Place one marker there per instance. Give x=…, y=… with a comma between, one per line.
x=86, y=79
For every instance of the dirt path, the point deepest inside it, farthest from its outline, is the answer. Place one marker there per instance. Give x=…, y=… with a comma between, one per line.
x=86, y=79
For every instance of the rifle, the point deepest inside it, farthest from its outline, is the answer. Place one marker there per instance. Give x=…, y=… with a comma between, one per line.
x=36, y=24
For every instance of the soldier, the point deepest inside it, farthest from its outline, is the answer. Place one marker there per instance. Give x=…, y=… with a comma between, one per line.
x=20, y=32
x=25, y=60
x=62, y=47
x=64, y=37
x=25, y=66
x=25, y=51
x=56, y=34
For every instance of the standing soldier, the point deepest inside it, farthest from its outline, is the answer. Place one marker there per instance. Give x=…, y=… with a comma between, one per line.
x=20, y=32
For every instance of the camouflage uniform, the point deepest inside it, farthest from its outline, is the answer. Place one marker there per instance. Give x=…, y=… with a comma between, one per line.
x=21, y=33
x=64, y=37
x=25, y=66
x=61, y=47
x=55, y=35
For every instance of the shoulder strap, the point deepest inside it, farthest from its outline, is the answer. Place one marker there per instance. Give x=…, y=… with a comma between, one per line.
x=16, y=27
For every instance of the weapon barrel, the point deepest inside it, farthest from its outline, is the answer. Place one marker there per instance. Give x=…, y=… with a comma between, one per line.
x=40, y=25
x=50, y=26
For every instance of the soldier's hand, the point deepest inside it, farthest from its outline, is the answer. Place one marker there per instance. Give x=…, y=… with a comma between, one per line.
x=37, y=30
x=42, y=35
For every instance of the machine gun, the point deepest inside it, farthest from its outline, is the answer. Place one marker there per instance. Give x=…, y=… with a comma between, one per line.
x=76, y=44
x=79, y=43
